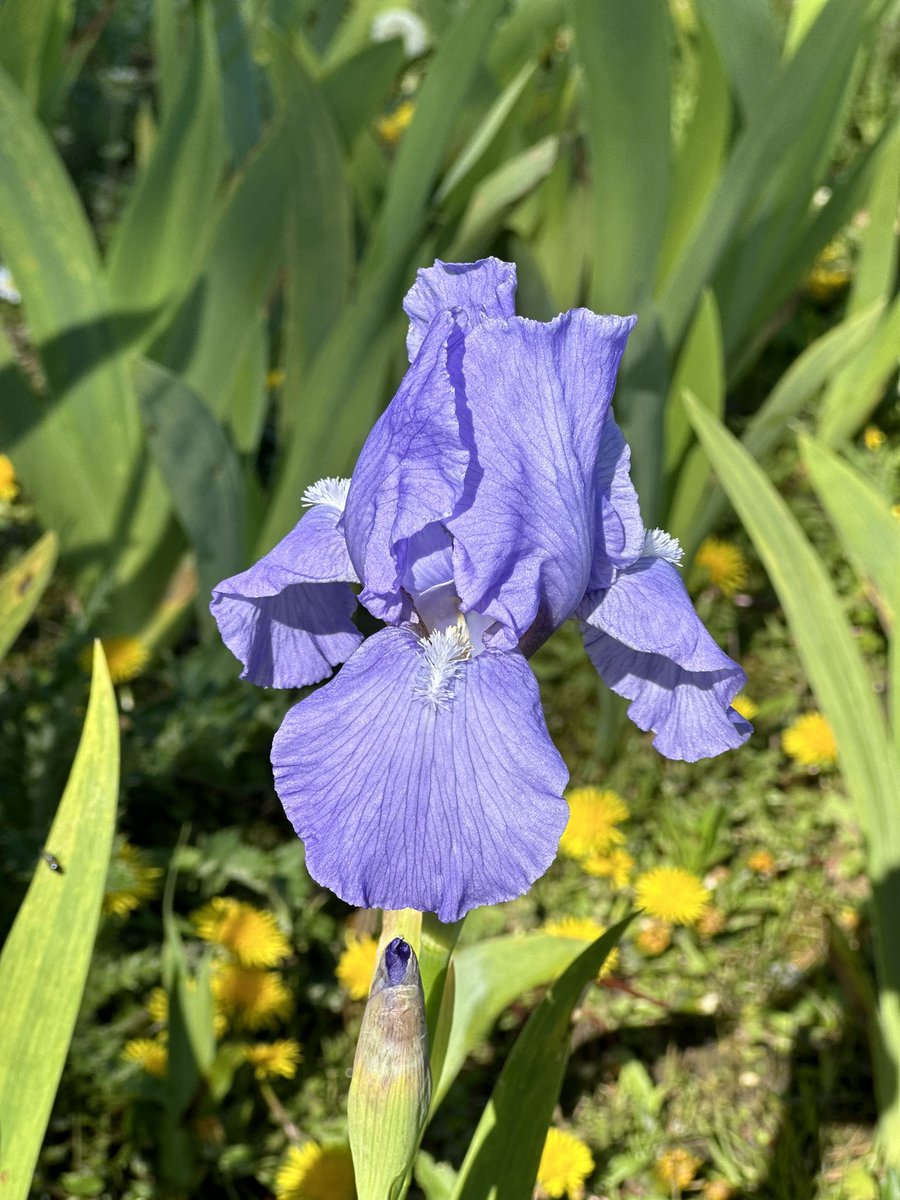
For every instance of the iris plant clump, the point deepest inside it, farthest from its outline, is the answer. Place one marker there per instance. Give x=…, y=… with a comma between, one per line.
x=491, y=502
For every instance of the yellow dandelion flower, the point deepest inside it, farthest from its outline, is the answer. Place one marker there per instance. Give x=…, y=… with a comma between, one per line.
x=761, y=862
x=723, y=565
x=653, y=937
x=848, y=919
x=250, y=996
x=130, y=881
x=158, y=1006
x=565, y=1164
x=830, y=274
x=150, y=1053
x=275, y=378
x=745, y=706
x=313, y=1172
x=671, y=894
x=251, y=934
x=874, y=437
x=717, y=1189
x=584, y=929
x=895, y=511
x=269, y=1059
x=393, y=125
x=711, y=923
x=356, y=966
x=593, y=817
x=9, y=487
x=617, y=866
x=126, y=657
x=677, y=1169
x=809, y=741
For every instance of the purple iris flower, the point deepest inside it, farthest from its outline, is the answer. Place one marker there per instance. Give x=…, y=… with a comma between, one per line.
x=491, y=502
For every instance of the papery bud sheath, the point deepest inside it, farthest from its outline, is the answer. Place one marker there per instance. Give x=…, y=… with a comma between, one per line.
x=391, y=1087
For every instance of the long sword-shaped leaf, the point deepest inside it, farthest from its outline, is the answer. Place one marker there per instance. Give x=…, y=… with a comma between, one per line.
x=624, y=50
x=490, y=975
x=701, y=153
x=701, y=369
x=870, y=535
x=160, y=236
x=826, y=647
x=46, y=956
x=22, y=586
x=860, y=387
x=746, y=34
x=28, y=29
x=201, y=471
x=835, y=669
x=827, y=54
x=502, y=1160
x=240, y=101
x=797, y=387
x=211, y=336
x=424, y=143
x=319, y=238
x=88, y=498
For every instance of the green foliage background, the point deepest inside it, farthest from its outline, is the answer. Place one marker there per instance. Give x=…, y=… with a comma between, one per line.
x=212, y=223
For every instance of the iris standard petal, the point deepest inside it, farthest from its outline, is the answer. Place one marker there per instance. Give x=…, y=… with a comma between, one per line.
x=482, y=289
x=287, y=618
x=436, y=804
x=649, y=645
x=410, y=472
x=620, y=530
x=537, y=397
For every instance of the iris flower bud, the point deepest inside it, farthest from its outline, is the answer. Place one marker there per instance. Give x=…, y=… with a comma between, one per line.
x=391, y=1087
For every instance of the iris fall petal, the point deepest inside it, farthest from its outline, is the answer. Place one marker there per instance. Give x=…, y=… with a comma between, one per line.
x=287, y=618
x=649, y=645
x=437, y=807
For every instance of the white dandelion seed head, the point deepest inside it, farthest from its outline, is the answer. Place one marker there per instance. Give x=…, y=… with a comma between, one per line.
x=401, y=23
x=659, y=544
x=442, y=656
x=332, y=490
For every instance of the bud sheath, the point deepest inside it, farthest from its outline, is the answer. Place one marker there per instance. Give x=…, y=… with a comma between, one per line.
x=391, y=1086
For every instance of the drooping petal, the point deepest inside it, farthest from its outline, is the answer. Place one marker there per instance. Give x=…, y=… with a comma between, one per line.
x=620, y=530
x=478, y=290
x=436, y=804
x=649, y=645
x=287, y=618
x=537, y=396
x=410, y=472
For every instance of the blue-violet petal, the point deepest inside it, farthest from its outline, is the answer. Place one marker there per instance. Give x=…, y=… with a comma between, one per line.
x=475, y=291
x=649, y=645
x=537, y=396
x=287, y=618
x=436, y=804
